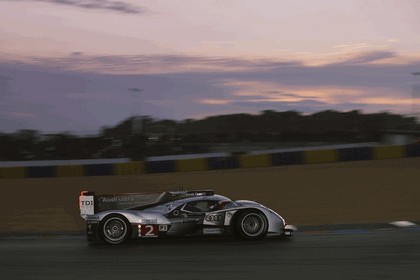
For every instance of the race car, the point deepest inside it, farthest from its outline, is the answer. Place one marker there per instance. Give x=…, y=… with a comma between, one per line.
x=119, y=217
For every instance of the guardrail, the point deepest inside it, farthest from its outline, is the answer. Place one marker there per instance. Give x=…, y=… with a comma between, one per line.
x=215, y=163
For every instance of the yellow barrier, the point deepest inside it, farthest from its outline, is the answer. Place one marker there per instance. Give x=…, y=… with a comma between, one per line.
x=388, y=152
x=189, y=165
x=12, y=172
x=69, y=171
x=129, y=168
x=320, y=156
x=249, y=161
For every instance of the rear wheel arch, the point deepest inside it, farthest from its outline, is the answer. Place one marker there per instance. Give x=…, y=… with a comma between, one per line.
x=114, y=229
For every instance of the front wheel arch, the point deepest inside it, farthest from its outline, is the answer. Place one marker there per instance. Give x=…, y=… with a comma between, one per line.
x=253, y=231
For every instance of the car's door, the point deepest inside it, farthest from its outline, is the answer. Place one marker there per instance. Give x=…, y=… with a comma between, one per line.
x=187, y=219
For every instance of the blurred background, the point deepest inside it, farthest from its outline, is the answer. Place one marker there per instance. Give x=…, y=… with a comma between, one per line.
x=142, y=137
x=136, y=80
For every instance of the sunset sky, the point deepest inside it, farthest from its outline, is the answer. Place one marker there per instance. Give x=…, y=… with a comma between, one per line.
x=78, y=65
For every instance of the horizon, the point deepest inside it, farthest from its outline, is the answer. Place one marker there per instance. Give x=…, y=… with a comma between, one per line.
x=96, y=132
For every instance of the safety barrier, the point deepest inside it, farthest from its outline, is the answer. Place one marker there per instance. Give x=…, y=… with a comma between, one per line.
x=69, y=171
x=388, y=152
x=249, y=161
x=189, y=165
x=287, y=158
x=129, y=168
x=98, y=169
x=413, y=150
x=164, y=166
x=40, y=171
x=12, y=172
x=353, y=154
x=214, y=163
x=320, y=156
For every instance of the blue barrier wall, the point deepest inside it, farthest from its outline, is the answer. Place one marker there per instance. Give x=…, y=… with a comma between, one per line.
x=216, y=163
x=413, y=150
x=164, y=166
x=98, y=169
x=350, y=154
x=287, y=158
x=40, y=171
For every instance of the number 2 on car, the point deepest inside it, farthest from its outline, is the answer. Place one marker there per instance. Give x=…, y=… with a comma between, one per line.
x=149, y=230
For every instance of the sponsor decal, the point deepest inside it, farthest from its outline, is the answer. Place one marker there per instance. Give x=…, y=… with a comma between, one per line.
x=92, y=218
x=90, y=229
x=273, y=233
x=163, y=227
x=212, y=230
x=149, y=221
x=192, y=214
x=214, y=218
x=189, y=221
x=148, y=231
x=192, y=194
x=116, y=199
x=86, y=205
x=198, y=193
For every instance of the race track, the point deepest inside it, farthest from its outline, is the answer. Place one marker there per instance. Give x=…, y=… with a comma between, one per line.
x=364, y=193
x=311, y=194
x=374, y=254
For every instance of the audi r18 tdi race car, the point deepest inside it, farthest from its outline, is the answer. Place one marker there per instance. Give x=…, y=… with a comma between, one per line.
x=116, y=218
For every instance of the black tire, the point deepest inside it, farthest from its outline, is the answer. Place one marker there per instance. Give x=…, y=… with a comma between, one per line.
x=251, y=225
x=114, y=229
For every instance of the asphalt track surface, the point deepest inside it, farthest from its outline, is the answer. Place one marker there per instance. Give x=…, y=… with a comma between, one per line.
x=370, y=254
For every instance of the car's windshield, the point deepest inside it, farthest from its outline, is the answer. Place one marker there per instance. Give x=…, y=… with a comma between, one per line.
x=227, y=204
x=201, y=206
x=209, y=205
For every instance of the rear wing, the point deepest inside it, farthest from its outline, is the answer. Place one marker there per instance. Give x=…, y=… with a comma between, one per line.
x=91, y=203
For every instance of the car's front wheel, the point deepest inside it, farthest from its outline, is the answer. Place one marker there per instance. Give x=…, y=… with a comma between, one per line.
x=115, y=229
x=251, y=225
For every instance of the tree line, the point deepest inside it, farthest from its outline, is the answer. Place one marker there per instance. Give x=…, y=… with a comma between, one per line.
x=138, y=138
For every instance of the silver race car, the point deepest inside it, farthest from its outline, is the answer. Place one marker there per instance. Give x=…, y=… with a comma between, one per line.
x=116, y=218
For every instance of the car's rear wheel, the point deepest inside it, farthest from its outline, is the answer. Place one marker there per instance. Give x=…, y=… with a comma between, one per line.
x=251, y=225
x=115, y=229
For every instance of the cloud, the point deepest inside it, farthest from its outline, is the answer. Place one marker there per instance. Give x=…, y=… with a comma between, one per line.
x=215, y=101
x=162, y=64
x=368, y=57
x=86, y=92
x=392, y=40
x=156, y=64
x=109, y=5
x=135, y=89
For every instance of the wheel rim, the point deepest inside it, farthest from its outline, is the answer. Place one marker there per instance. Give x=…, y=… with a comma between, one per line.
x=115, y=229
x=253, y=224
